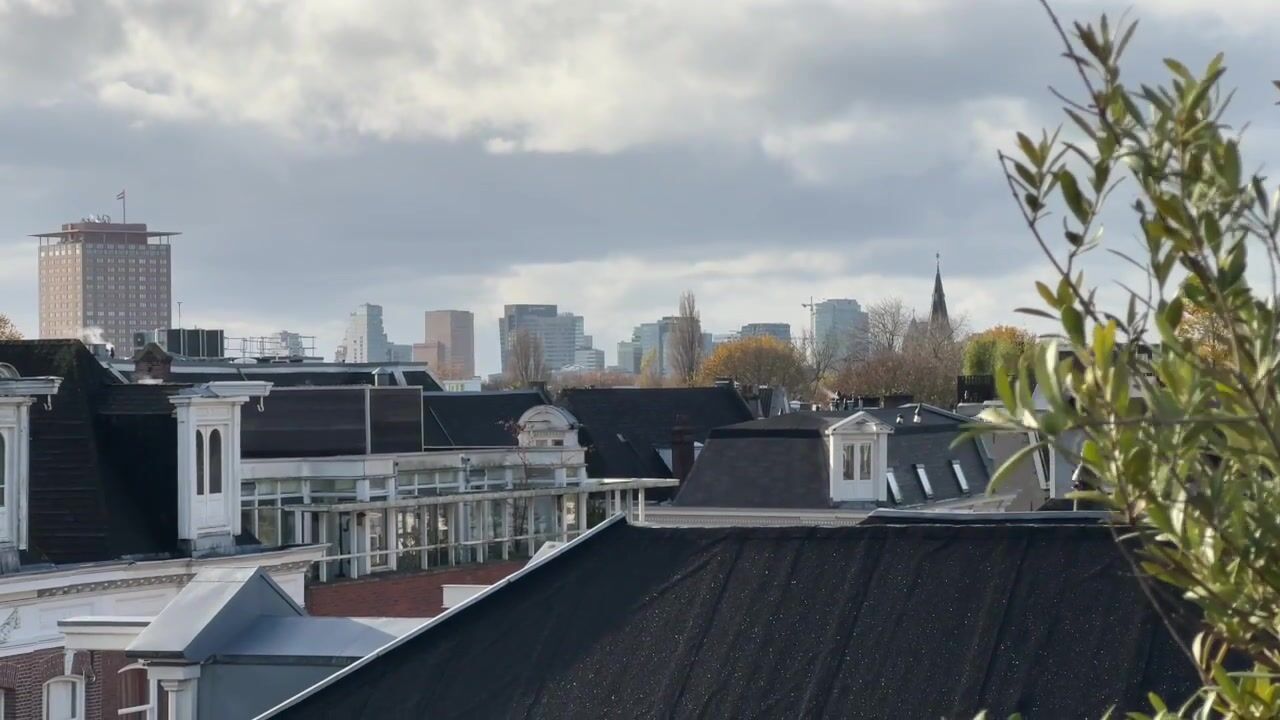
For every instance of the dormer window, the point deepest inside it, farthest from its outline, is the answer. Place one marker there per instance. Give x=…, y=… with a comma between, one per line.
x=209, y=461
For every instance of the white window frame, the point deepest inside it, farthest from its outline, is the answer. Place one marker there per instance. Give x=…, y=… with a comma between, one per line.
x=149, y=711
x=960, y=478
x=77, y=684
x=924, y=481
x=893, y=485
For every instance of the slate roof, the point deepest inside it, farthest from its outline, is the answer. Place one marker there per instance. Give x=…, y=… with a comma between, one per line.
x=622, y=428
x=877, y=621
x=471, y=419
x=782, y=462
x=101, y=484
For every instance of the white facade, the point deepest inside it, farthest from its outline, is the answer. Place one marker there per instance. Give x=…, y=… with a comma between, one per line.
x=365, y=339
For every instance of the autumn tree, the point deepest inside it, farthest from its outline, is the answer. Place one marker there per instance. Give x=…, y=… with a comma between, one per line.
x=758, y=360
x=686, y=341
x=526, y=363
x=1209, y=339
x=650, y=371
x=995, y=349
x=8, y=331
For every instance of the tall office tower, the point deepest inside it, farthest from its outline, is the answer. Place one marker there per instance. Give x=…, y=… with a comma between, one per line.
x=454, y=334
x=96, y=275
x=842, y=322
x=562, y=334
x=365, y=340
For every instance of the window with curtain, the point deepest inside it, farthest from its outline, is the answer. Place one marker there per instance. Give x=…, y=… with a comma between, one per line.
x=215, y=461
x=135, y=692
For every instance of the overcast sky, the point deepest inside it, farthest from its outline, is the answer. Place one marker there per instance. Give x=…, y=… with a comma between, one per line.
x=603, y=156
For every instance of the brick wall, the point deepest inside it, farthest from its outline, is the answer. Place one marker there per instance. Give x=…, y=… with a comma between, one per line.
x=417, y=594
x=22, y=679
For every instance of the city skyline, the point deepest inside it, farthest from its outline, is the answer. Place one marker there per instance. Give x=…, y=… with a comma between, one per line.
x=839, y=186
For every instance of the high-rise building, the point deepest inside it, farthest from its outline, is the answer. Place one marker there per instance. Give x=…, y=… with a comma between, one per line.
x=652, y=343
x=780, y=331
x=365, y=340
x=454, y=334
x=630, y=355
x=561, y=334
x=842, y=323
x=99, y=277
x=589, y=359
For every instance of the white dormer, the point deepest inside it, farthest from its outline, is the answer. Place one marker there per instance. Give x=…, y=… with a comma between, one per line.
x=17, y=394
x=859, y=451
x=209, y=461
x=547, y=426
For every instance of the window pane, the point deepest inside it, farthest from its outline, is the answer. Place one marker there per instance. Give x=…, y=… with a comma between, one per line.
x=215, y=461
x=850, y=461
x=268, y=526
x=200, y=460
x=377, y=537
x=2, y=469
x=865, y=464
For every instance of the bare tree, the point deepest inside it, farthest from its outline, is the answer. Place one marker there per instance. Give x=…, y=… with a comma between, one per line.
x=823, y=356
x=526, y=363
x=887, y=324
x=686, y=341
x=8, y=331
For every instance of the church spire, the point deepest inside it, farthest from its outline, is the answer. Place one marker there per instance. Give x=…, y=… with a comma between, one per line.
x=938, y=319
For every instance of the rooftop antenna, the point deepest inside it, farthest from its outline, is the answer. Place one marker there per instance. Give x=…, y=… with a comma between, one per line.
x=124, y=208
x=179, y=314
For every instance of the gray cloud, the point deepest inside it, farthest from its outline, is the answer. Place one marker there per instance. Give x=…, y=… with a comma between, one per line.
x=445, y=155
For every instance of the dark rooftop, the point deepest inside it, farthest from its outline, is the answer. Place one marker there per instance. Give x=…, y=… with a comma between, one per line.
x=879, y=621
x=623, y=428
x=783, y=462
x=471, y=419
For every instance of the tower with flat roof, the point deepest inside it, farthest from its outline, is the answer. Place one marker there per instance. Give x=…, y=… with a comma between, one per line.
x=97, y=276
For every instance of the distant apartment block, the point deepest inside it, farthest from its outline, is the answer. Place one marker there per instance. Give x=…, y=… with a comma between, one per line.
x=365, y=340
x=98, y=274
x=779, y=331
x=843, y=323
x=453, y=335
x=561, y=334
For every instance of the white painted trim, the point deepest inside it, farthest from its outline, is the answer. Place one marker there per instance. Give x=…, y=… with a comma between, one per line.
x=451, y=612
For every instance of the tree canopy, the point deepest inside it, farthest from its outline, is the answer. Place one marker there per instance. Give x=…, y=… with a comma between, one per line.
x=758, y=360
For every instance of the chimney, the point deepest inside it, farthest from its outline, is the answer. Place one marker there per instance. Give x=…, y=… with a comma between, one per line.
x=681, y=448
x=152, y=364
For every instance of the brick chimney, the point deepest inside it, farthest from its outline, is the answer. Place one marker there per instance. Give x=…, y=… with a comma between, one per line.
x=152, y=363
x=681, y=448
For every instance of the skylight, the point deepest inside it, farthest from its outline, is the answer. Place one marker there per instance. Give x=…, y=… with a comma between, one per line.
x=924, y=481
x=964, y=484
x=893, y=486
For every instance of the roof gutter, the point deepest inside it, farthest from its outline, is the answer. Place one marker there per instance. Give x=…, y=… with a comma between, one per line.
x=433, y=622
